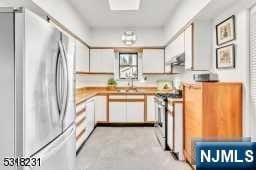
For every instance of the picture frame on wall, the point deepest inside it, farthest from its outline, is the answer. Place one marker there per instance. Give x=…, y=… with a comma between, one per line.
x=226, y=31
x=225, y=57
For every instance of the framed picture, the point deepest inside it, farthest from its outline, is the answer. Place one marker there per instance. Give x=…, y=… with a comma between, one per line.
x=225, y=31
x=225, y=57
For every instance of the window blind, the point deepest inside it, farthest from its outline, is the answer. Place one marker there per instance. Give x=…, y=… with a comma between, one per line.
x=253, y=54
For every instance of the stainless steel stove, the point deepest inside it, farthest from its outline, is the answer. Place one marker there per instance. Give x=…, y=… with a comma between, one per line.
x=161, y=109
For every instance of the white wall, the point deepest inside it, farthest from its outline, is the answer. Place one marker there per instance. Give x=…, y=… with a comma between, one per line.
x=62, y=11
x=101, y=80
x=185, y=11
x=111, y=37
x=241, y=71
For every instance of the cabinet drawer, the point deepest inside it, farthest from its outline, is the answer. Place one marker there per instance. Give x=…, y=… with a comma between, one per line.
x=80, y=118
x=81, y=107
x=80, y=140
x=135, y=97
x=79, y=130
x=117, y=97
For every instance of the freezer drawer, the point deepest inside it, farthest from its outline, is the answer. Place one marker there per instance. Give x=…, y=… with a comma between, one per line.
x=60, y=154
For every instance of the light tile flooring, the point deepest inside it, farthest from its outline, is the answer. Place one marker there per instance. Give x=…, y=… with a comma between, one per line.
x=128, y=148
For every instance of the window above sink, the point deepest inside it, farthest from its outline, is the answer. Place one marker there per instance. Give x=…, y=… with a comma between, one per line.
x=128, y=66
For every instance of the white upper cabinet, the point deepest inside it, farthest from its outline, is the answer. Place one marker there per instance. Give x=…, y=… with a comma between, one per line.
x=198, y=45
x=189, y=47
x=102, y=60
x=153, y=61
x=175, y=48
x=82, y=57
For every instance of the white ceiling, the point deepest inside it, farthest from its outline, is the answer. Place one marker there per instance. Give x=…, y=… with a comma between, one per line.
x=152, y=13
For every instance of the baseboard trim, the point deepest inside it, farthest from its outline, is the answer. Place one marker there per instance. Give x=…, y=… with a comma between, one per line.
x=125, y=125
x=81, y=147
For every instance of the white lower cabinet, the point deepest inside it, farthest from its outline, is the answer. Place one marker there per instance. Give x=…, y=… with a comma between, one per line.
x=170, y=128
x=150, y=109
x=175, y=129
x=100, y=109
x=90, y=117
x=117, y=112
x=135, y=111
x=126, y=108
x=85, y=121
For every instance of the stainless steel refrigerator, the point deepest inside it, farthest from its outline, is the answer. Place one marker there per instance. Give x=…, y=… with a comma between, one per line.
x=36, y=92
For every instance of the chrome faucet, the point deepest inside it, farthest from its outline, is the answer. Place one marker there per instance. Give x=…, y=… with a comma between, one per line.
x=131, y=84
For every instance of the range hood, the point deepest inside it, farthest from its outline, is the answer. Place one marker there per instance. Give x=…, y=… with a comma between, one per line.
x=178, y=60
x=177, y=64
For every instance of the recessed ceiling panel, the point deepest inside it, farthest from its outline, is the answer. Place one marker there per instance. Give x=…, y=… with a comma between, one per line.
x=121, y=5
x=150, y=13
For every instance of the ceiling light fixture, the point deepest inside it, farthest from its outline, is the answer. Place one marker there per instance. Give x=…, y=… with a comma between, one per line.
x=129, y=38
x=120, y=5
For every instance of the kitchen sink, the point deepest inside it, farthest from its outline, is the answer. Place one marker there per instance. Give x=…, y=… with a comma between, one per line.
x=131, y=90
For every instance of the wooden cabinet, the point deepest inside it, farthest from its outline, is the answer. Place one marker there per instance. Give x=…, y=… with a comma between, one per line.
x=117, y=112
x=153, y=61
x=150, y=109
x=100, y=109
x=135, y=111
x=102, y=60
x=82, y=57
x=198, y=45
x=211, y=110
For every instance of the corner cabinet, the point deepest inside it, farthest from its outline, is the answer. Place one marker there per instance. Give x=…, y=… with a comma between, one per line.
x=153, y=60
x=102, y=60
x=198, y=45
x=211, y=110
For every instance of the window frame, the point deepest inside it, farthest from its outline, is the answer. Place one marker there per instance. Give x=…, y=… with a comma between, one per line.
x=131, y=66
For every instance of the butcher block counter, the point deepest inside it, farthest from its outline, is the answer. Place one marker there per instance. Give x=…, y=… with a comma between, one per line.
x=83, y=94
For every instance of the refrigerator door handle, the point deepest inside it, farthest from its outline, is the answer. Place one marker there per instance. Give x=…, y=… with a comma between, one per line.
x=64, y=84
x=58, y=80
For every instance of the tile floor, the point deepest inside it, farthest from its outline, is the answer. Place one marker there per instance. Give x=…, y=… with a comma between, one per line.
x=128, y=148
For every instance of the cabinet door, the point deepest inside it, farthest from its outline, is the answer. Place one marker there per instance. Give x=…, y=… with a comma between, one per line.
x=135, y=111
x=178, y=47
x=193, y=116
x=153, y=61
x=82, y=57
x=189, y=48
x=101, y=109
x=150, y=109
x=90, y=113
x=102, y=60
x=117, y=112
x=170, y=131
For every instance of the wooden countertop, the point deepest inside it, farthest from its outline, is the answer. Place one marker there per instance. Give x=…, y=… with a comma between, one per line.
x=83, y=94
